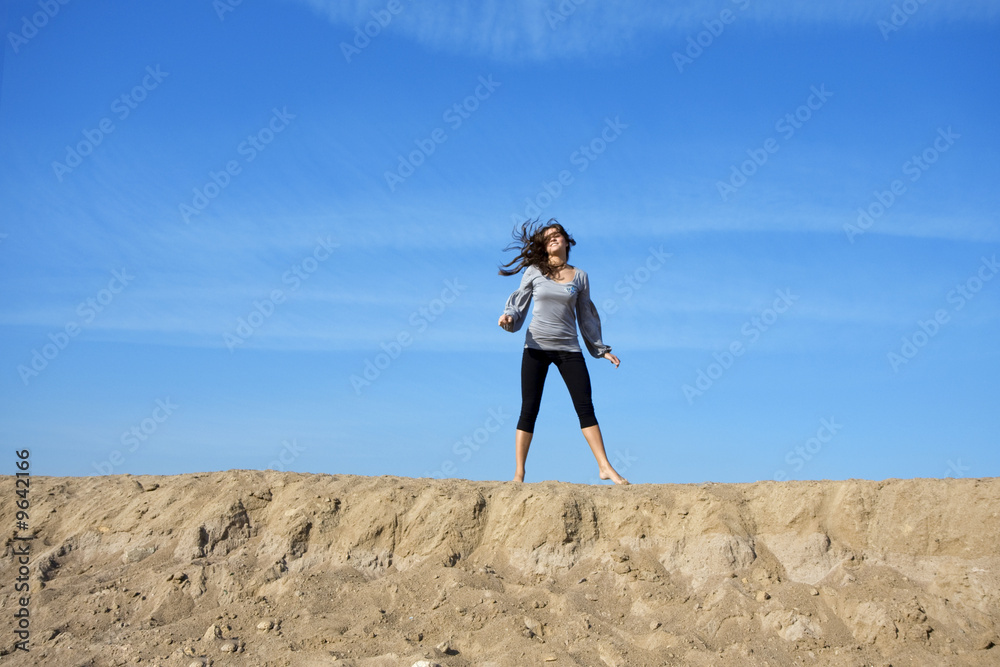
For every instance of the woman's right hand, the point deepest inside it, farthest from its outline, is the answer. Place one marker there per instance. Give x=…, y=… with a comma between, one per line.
x=505, y=322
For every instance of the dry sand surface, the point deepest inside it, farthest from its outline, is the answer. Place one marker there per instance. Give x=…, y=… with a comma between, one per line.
x=247, y=567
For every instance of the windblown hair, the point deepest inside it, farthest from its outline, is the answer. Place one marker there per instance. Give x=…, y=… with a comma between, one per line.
x=530, y=244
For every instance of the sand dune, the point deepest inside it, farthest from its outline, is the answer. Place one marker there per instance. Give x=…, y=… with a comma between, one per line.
x=268, y=568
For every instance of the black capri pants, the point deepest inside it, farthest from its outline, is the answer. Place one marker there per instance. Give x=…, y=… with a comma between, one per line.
x=573, y=368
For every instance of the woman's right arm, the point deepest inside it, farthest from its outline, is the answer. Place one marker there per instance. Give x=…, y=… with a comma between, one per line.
x=516, y=309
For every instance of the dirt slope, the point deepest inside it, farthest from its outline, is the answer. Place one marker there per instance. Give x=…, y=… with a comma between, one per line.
x=267, y=568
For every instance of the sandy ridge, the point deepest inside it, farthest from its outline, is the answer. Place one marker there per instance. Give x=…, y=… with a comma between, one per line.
x=248, y=567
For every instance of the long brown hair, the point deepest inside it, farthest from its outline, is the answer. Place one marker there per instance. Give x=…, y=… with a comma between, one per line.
x=530, y=244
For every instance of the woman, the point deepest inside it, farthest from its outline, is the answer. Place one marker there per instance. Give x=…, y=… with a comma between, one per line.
x=562, y=296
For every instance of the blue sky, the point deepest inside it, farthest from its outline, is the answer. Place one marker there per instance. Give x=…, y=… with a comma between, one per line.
x=217, y=216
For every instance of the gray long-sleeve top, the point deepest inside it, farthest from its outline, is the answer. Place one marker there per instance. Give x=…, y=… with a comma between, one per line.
x=558, y=307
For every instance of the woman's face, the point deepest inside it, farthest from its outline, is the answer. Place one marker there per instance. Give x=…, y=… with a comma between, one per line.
x=554, y=240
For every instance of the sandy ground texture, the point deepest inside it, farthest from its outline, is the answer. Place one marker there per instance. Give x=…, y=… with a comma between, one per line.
x=247, y=567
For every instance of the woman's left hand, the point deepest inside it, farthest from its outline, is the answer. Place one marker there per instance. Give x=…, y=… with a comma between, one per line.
x=612, y=358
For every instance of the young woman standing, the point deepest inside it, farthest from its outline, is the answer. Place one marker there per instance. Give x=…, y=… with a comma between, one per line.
x=562, y=298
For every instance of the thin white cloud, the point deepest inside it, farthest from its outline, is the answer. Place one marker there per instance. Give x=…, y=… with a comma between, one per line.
x=532, y=30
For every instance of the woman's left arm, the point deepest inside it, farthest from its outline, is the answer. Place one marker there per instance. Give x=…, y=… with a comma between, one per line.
x=590, y=324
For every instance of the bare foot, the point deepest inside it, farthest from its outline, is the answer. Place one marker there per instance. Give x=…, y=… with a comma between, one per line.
x=611, y=474
x=518, y=477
